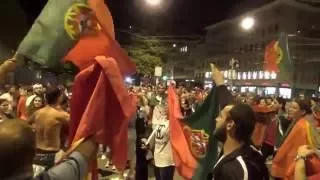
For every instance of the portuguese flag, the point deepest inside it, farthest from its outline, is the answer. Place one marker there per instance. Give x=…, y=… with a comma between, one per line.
x=102, y=107
x=82, y=31
x=301, y=132
x=277, y=57
x=76, y=31
x=193, y=146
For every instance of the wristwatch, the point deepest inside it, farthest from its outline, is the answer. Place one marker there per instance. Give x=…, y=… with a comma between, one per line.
x=298, y=157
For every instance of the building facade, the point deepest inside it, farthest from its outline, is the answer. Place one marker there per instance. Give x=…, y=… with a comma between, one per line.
x=228, y=40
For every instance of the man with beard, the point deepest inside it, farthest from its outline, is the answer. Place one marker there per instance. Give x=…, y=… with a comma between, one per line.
x=49, y=122
x=238, y=159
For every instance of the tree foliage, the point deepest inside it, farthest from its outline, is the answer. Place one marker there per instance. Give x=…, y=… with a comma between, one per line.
x=147, y=53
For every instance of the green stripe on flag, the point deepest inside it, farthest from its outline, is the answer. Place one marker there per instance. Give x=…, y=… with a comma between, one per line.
x=48, y=42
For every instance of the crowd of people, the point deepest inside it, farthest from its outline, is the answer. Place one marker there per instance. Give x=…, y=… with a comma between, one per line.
x=253, y=132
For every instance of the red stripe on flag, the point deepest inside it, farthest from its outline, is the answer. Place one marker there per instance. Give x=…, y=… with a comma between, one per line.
x=100, y=43
x=184, y=161
x=101, y=106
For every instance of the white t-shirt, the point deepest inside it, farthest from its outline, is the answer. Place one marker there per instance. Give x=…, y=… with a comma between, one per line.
x=162, y=149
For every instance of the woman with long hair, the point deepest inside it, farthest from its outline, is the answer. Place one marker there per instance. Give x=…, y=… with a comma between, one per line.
x=36, y=104
x=300, y=132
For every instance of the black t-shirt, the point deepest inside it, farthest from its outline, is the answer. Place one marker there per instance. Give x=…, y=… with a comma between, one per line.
x=245, y=163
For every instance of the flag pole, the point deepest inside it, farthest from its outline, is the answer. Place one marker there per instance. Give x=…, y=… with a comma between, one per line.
x=151, y=136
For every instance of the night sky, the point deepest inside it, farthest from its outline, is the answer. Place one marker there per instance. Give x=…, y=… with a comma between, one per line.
x=173, y=17
x=178, y=17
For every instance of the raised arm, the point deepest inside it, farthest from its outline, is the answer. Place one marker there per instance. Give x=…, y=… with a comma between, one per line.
x=224, y=95
x=7, y=66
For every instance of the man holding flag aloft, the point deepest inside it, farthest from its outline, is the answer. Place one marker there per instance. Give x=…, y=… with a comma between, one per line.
x=195, y=148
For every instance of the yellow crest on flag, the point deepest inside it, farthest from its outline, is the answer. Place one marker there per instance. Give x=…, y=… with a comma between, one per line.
x=279, y=52
x=198, y=142
x=79, y=20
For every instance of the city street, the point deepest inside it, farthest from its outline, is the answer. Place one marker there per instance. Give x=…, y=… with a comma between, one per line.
x=161, y=88
x=109, y=174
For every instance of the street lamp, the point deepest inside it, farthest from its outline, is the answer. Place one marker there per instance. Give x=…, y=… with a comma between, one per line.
x=153, y=2
x=247, y=23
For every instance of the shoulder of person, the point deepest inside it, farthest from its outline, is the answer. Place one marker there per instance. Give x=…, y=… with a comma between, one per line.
x=63, y=114
x=4, y=95
x=232, y=170
x=254, y=162
x=242, y=168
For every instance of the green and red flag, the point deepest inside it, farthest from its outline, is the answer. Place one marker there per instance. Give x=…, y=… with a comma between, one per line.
x=82, y=31
x=301, y=132
x=277, y=57
x=193, y=145
x=76, y=31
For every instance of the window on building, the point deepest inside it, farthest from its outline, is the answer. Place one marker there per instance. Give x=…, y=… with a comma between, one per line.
x=270, y=29
x=256, y=47
x=299, y=29
x=277, y=11
x=250, y=47
x=314, y=78
x=246, y=47
x=251, y=63
x=276, y=27
x=262, y=32
x=256, y=31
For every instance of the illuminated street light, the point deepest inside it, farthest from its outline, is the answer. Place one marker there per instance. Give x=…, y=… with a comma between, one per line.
x=247, y=23
x=165, y=78
x=174, y=45
x=184, y=49
x=129, y=80
x=153, y=2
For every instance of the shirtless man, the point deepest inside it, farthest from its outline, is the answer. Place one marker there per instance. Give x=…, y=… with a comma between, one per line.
x=48, y=123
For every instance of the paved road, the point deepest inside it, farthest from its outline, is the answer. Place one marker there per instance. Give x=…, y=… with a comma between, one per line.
x=109, y=174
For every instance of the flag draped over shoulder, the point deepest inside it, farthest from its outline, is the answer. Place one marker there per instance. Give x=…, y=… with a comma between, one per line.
x=74, y=30
x=298, y=134
x=101, y=106
x=277, y=57
x=193, y=146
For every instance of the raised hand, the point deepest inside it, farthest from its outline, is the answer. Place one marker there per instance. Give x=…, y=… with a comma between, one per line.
x=217, y=76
